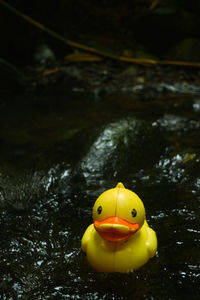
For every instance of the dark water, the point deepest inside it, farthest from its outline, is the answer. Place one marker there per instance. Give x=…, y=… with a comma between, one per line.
x=58, y=152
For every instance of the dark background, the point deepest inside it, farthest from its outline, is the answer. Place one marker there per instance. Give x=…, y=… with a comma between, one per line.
x=145, y=29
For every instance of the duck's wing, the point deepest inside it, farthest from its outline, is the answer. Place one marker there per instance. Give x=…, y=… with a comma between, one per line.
x=151, y=241
x=86, y=237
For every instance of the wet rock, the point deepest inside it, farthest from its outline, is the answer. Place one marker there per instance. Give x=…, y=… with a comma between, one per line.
x=196, y=105
x=176, y=123
x=171, y=169
x=102, y=154
x=119, y=146
x=43, y=54
x=178, y=168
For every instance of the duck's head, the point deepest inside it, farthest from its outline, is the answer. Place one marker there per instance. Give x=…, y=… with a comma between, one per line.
x=118, y=214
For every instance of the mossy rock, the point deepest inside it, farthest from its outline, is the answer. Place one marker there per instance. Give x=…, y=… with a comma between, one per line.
x=145, y=55
x=120, y=146
x=186, y=50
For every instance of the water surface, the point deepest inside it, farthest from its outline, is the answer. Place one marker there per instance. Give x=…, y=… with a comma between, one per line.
x=59, y=151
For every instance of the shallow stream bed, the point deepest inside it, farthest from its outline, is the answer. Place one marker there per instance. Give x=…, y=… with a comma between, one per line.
x=59, y=151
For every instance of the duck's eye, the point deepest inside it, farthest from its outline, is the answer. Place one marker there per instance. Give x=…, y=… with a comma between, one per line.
x=99, y=210
x=134, y=212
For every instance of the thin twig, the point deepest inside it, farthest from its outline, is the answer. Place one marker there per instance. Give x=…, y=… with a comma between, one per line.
x=140, y=61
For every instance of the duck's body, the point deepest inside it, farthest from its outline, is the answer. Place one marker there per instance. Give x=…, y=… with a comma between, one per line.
x=114, y=244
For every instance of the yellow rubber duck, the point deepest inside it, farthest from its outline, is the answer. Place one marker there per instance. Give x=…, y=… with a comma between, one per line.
x=120, y=239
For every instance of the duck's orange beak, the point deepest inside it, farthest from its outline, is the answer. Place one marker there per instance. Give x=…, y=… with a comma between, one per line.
x=115, y=229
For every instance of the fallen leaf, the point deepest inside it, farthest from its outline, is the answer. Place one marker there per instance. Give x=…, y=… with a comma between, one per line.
x=76, y=57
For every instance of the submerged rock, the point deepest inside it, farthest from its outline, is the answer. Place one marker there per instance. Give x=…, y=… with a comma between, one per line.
x=23, y=191
x=173, y=123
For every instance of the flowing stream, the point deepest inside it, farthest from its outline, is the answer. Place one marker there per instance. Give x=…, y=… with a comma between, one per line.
x=58, y=152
